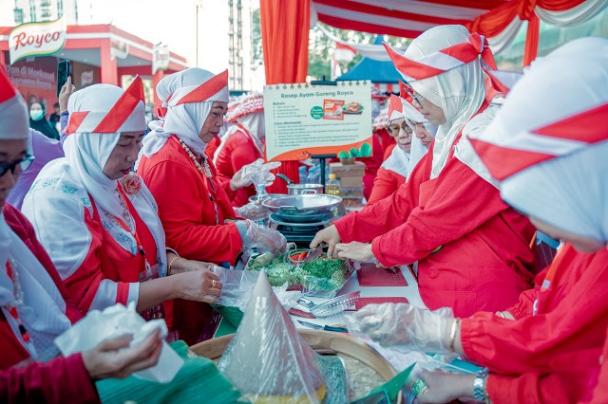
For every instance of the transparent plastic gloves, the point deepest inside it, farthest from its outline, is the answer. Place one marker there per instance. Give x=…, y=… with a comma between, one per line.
x=252, y=211
x=256, y=173
x=262, y=238
x=403, y=324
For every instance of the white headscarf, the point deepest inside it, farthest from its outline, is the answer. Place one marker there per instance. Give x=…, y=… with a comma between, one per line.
x=548, y=144
x=41, y=307
x=71, y=182
x=186, y=110
x=459, y=92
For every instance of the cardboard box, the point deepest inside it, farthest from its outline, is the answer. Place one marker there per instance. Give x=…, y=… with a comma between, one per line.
x=347, y=170
x=351, y=182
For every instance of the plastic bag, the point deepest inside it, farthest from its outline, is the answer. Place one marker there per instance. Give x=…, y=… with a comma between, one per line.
x=115, y=321
x=267, y=360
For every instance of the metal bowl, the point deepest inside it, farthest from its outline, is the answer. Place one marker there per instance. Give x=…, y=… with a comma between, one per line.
x=302, y=203
x=256, y=198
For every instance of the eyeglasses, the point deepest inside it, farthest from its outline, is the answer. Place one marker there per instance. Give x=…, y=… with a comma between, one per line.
x=417, y=100
x=396, y=127
x=23, y=163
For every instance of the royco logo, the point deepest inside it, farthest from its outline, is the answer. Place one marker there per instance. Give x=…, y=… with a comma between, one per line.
x=36, y=39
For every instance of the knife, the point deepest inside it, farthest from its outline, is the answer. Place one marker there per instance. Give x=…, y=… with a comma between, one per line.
x=322, y=327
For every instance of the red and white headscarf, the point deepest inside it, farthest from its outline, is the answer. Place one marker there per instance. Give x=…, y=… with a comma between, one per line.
x=41, y=308
x=60, y=198
x=189, y=97
x=395, y=108
x=14, y=117
x=548, y=144
x=444, y=65
x=246, y=113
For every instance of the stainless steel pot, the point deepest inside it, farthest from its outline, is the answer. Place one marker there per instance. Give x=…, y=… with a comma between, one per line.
x=304, y=189
x=303, y=203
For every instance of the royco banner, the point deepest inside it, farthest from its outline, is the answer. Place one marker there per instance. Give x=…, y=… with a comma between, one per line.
x=36, y=39
x=303, y=120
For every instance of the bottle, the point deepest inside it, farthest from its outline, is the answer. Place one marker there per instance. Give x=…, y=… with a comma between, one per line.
x=333, y=185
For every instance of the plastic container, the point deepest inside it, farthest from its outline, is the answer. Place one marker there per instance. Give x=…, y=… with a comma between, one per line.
x=333, y=185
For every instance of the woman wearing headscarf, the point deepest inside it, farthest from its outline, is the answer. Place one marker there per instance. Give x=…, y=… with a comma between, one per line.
x=471, y=248
x=99, y=222
x=33, y=306
x=197, y=215
x=547, y=147
x=39, y=122
x=241, y=146
x=404, y=122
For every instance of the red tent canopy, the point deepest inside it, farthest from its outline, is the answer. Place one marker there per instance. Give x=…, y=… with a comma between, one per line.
x=404, y=18
x=492, y=18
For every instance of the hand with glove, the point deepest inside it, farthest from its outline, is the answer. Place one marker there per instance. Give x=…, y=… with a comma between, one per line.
x=254, y=173
x=404, y=324
x=252, y=211
x=265, y=239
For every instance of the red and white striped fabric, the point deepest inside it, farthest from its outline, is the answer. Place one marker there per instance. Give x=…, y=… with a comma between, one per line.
x=246, y=105
x=446, y=59
x=404, y=18
x=395, y=108
x=548, y=143
x=126, y=115
x=13, y=111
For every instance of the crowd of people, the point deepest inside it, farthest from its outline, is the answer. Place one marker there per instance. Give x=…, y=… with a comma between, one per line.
x=470, y=171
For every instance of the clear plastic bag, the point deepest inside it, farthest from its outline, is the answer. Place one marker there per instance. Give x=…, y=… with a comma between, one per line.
x=267, y=360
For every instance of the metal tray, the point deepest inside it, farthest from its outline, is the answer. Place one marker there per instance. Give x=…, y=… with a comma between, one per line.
x=301, y=203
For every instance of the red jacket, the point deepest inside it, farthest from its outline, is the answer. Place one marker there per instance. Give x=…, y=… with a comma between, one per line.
x=385, y=184
x=600, y=394
x=551, y=356
x=187, y=206
x=472, y=249
x=238, y=151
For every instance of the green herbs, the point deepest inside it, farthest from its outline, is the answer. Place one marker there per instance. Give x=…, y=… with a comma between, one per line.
x=323, y=274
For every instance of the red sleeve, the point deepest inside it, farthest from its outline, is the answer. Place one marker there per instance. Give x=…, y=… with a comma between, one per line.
x=386, y=214
x=568, y=336
x=62, y=380
x=600, y=394
x=530, y=388
x=525, y=304
x=461, y=202
x=385, y=184
x=245, y=153
x=24, y=229
x=181, y=214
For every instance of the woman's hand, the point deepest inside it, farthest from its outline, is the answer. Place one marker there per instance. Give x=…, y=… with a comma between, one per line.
x=356, y=251
x=64, y=95
x=198, y=285
x=329, y=236
x=180, y=265
x=446, y=387
x=114, y=358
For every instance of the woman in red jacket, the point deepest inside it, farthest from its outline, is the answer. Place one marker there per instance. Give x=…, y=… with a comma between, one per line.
x=196, y=214
x=242, y=145
x=547, y=146
x=471, y=249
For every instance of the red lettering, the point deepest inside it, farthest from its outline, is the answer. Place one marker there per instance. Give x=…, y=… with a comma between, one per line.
x=19, y=40
x=23, y=39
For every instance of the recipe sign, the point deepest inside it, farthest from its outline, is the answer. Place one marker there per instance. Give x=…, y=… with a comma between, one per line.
x=303, y=120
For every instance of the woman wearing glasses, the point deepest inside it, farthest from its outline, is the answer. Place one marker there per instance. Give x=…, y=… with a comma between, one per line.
x=471, y=248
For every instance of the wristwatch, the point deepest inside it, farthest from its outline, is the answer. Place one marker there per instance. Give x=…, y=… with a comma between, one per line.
x=479, y=386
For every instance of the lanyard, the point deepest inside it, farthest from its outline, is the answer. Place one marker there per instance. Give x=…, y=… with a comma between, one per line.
x=133, y=233
x=12, y=309
x=549, y=277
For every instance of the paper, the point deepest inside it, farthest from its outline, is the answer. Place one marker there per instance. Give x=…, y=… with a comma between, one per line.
x=371, y=275
x=115, y=321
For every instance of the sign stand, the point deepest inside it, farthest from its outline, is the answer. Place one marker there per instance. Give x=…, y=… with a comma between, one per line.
x=323, y=162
